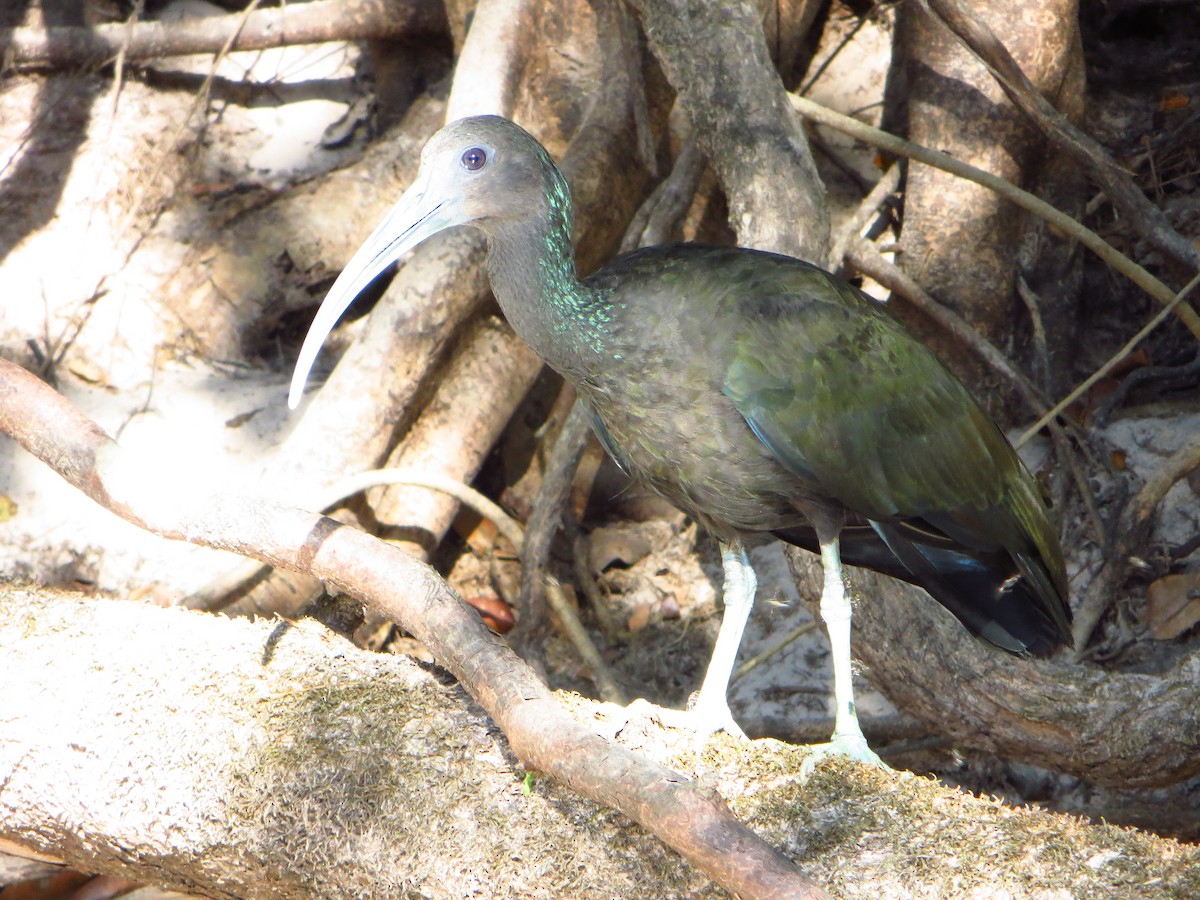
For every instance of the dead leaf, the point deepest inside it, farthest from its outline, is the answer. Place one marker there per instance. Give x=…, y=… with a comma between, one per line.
x=616, y=545
x=639, y=618
x=496, y=613
x=242, y=418
x=88, y=371
x=1174, y=605
x=479, y=533
x=1172, y=101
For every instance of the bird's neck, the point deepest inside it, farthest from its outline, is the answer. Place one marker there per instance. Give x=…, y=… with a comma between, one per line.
x=531, y=265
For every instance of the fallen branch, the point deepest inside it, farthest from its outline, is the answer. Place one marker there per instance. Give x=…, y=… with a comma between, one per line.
x=658, y=217
x=883, y=192
x=200, y=99
x=301, y=23
x=542, y=736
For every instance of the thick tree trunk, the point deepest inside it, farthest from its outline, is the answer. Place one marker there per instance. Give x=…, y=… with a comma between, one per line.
x=960, y=240
x=716, y=56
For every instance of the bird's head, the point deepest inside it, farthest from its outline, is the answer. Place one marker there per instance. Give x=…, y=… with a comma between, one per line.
x=482, y=170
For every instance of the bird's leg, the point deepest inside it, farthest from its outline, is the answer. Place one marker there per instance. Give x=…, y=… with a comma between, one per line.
x=848, y=738
x=711, y=708
x=709, y=712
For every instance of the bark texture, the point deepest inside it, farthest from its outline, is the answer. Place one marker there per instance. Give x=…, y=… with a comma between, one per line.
x=266, y=760
x=716, y=57
x=960, y=241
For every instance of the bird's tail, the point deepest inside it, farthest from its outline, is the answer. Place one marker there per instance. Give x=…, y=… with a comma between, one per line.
x=994, y=595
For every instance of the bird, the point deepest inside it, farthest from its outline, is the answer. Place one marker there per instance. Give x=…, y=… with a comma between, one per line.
x=761, y=395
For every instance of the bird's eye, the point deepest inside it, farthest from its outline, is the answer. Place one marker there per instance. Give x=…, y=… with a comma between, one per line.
x=474, y=159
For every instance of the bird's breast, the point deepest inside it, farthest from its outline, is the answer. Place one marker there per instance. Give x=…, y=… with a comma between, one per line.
x=677, y=433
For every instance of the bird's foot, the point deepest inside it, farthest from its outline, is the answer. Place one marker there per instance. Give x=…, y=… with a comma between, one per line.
x=707, y=718
x=851, y=744
x=703, y=720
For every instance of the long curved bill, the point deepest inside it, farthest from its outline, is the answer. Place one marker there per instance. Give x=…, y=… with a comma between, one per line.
x=418, y=215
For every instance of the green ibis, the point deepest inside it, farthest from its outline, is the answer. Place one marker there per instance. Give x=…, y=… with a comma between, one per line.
x=761, y=395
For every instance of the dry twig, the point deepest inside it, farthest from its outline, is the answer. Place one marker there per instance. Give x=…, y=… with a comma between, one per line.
x=1148, y=220
x=1179, y=299
x=875, y=137
x=884, y=188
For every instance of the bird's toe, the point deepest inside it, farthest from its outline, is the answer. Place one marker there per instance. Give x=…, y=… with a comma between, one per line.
x=702, y=720
x=852, y=745
x=706, y=719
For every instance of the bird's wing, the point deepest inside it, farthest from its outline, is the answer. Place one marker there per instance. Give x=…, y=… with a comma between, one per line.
x=846, y=399
x=866, y=415
x=604, y=436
